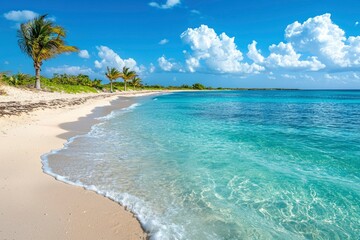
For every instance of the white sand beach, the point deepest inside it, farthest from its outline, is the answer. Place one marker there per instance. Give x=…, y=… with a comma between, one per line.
x=33, y=204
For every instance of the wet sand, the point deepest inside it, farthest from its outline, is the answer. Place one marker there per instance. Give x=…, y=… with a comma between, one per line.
x=35, y=205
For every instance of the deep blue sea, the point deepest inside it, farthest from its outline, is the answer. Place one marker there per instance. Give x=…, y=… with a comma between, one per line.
x=228, y=164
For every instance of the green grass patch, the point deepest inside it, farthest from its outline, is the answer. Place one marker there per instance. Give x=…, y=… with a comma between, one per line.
x=66, y=88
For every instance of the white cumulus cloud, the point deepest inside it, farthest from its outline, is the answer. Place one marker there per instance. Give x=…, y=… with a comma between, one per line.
x=109, y=58
x=192, y=64
x=165, y=64
x=317, y=44
x=163, y=41
x=167, y=5
x=219, y=53
x=20, y=16
x=283, y=55
x=254, y=54
x=84, y=54
x=320, y=37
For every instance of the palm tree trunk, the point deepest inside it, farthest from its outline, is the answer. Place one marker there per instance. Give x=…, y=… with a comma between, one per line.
x=111, y=88
x=37, y=77
x=125, y=86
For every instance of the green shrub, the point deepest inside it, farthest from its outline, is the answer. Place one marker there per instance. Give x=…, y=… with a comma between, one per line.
x=198, y=86
x=2, y=91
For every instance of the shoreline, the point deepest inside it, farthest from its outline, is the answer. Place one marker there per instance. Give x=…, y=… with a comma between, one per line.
x=37, y=206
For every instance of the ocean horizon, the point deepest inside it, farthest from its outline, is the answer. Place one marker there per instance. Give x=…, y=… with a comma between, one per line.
x=227, y=164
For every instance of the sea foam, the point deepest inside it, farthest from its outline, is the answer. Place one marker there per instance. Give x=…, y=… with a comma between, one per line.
x=155, y=226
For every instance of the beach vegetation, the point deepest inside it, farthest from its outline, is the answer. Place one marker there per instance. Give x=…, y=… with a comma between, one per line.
x=18, y=79
x=136, y=82
x=185, y=86
x=2, y=91
x=58, y=83
x=112, y=74
x=127, y=75
x=80, y=79
x=155, y=87
x=82, y=83
x=50, y=85
x=198, y=86
x=117, y=86
x=3, y=78
x=42, y=40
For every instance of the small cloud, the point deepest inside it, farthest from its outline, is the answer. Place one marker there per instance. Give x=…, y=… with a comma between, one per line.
x=165, y=64
x=331, y=76
x=154, y=4
x=52, y=18
x=20, y=16
x=289, y=76
x=195, y=12
x=355, y=75
x=169, y=65
x=84, y=54
x=169, y=4
x=152, y=68
x=306, y=76
x=164, y=41
x=356, y=23
x=6, y=62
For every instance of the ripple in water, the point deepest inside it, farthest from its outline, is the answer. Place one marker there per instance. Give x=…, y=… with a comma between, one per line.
x=228, y=165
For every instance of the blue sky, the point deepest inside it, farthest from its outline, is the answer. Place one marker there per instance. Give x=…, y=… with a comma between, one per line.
x=229, y=43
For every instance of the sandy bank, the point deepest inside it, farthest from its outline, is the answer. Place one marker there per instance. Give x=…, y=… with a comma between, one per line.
x=36, y=206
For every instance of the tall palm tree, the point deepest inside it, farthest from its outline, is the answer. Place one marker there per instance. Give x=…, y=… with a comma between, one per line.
x=41, y=40
x=127, y=75
x=136, y=82
x=112, y=74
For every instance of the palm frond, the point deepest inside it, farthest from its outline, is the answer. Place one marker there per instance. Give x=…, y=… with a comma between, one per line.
x=41, y=39
x=127, y=74
x=112, y=74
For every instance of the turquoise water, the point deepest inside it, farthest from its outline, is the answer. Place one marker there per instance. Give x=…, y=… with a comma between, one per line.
x=228, y=165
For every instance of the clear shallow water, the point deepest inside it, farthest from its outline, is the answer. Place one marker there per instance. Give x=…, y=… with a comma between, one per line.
x=228, y=165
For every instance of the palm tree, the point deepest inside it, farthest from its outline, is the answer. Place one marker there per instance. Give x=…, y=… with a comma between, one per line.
x=20, y=78
x=127, y=75
x=136, y=82
x=112, y=74
x=41, y=40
